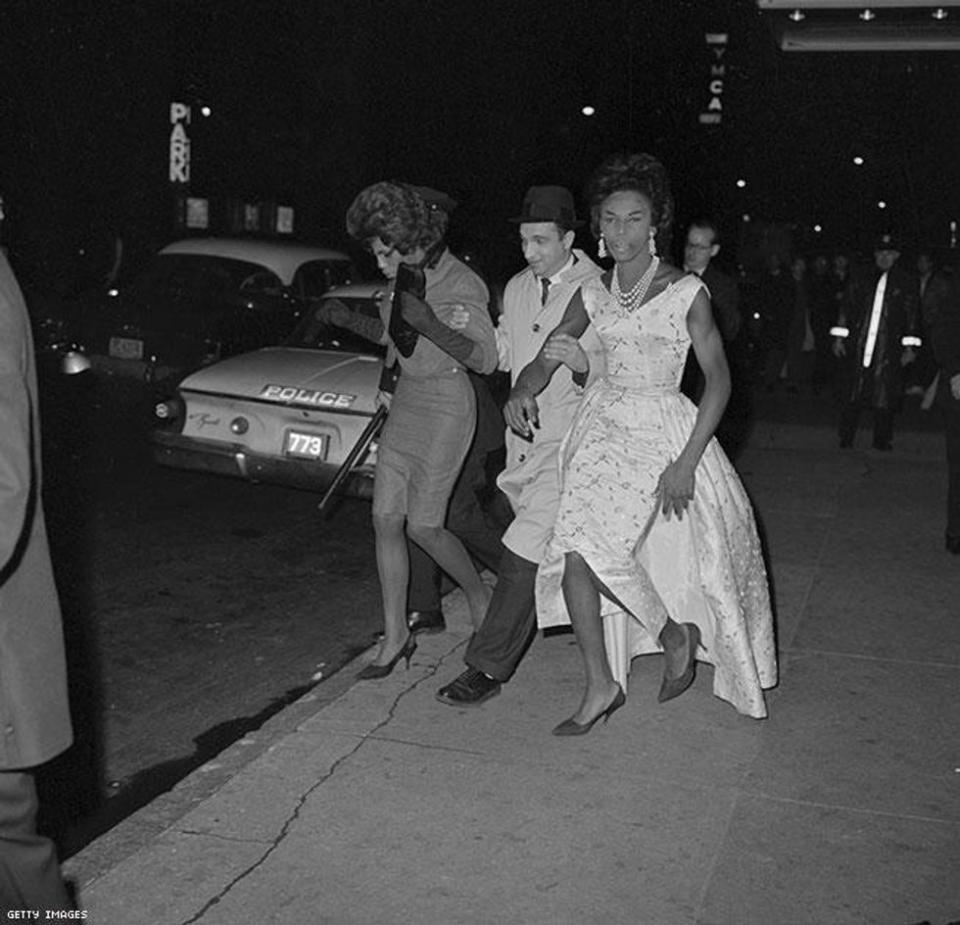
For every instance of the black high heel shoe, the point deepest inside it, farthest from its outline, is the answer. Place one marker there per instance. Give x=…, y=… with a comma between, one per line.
x=570, y=727
x=674, y=687
x=375, y=672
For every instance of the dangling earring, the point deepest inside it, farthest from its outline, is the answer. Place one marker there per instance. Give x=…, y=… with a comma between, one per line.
x=652, y=243
x=601, y=248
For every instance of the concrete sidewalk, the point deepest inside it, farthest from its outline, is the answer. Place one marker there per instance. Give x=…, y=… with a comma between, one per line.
x=370, y=802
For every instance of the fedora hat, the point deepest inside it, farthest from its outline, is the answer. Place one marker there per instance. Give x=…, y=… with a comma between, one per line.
x=548, y=204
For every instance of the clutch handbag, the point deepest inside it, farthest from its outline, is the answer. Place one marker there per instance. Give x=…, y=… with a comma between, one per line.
x=409, y=279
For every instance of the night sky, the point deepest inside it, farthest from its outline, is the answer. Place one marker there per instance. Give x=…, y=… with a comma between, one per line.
x=312, y=100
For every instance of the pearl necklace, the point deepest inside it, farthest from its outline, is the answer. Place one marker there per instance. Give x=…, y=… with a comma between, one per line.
x=632, y=298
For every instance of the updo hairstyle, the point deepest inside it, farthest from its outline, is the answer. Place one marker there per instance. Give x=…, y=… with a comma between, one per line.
x=642, y=173
x=397, y=215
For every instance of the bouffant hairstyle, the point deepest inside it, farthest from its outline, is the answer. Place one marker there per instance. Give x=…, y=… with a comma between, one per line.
x=642, y=173
x=397, y=215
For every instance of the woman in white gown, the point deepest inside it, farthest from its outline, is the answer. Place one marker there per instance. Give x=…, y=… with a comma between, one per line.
x=652, y=515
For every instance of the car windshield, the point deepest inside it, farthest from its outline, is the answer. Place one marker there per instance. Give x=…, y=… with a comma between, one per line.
x=315, y=335
x=200, y=278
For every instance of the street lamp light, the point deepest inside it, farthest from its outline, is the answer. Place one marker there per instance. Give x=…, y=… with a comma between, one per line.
x=588, y=110
x=858, y=161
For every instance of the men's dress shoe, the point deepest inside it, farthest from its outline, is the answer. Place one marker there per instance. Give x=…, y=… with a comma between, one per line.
x=426, y=621
x=846, y=443
x=883, y=445
x=953, y=545
x=470, y=689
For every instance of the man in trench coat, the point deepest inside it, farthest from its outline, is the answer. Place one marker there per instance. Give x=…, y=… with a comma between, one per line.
x=34, y=714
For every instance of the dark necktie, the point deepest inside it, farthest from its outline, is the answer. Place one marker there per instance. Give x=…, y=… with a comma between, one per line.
x=545, y=289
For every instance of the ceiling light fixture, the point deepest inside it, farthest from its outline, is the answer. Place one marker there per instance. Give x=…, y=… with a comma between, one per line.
x=939, y=13
x=867, y=15
x=797, y=16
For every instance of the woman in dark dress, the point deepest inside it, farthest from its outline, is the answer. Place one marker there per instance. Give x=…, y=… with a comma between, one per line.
x=433, y=409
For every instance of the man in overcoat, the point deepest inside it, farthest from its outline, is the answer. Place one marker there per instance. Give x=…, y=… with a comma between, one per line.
x=34, y=714
x=533, y=304
x=875, y=337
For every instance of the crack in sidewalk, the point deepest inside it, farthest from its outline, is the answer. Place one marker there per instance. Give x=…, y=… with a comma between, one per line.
x=288, y=824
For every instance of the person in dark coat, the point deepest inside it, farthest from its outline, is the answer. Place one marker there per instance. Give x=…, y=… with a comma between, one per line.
x=775, y=298
x=34, y=713
x=701, y=247
x=875, y=338
x=942, y=300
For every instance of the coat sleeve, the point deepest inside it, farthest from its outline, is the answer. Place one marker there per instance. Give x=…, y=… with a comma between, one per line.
x=15, y=466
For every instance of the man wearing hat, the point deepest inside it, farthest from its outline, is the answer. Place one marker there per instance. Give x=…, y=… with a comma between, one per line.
x=874, y=338
x=534, y=302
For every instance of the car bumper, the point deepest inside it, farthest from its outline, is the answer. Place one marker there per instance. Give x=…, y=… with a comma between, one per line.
x=180, y=452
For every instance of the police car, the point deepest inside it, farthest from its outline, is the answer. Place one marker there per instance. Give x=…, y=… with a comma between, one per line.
x=203, y=299
x=287, y=415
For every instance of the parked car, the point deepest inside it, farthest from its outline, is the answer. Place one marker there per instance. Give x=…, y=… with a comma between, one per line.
x=287, y=415
x=202, y=299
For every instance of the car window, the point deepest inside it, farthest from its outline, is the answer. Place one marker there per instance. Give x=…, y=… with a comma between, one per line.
x=200, y=278
x=313, y=279
x=314, y=334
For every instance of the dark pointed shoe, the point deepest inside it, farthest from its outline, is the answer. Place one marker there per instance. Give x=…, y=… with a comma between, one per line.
x=674, y=687
x=470, y=689
x=427, y=622
x=952, y=544
x=375, y=672
x=570, y=727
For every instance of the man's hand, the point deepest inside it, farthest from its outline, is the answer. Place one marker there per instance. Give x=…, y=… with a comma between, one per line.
x=333, y=311
x=676, y=487
x=384, y=399
x=520, y=412
x=955, y=386
x=567, y=350
x=417, y=313
x=839, y=347
x=459, y=318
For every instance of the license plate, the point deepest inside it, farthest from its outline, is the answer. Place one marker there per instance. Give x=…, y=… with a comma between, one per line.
x=126, y=348
x=306, y=446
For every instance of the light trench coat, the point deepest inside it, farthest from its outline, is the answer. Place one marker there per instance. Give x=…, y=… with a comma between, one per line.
x=530, y=479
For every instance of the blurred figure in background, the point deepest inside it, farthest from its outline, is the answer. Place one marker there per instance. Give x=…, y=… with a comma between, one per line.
x=34, y=714
x=932, y=288
x=699, y=253
x=941, y=306
x=823, y=312
x=800, y=342
x=875, y=338
x=775, y=296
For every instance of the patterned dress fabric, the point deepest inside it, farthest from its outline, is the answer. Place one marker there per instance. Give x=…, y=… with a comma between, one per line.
x=705, y=569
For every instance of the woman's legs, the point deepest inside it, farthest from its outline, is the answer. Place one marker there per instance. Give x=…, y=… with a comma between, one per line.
x=451, y=555
x=581, y=593
x=393, y=568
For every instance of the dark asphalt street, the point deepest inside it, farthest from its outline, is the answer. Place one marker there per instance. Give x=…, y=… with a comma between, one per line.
x=194, y=606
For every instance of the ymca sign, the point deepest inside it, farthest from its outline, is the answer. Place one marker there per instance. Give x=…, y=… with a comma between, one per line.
x=717, y=45
x=179, y=143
